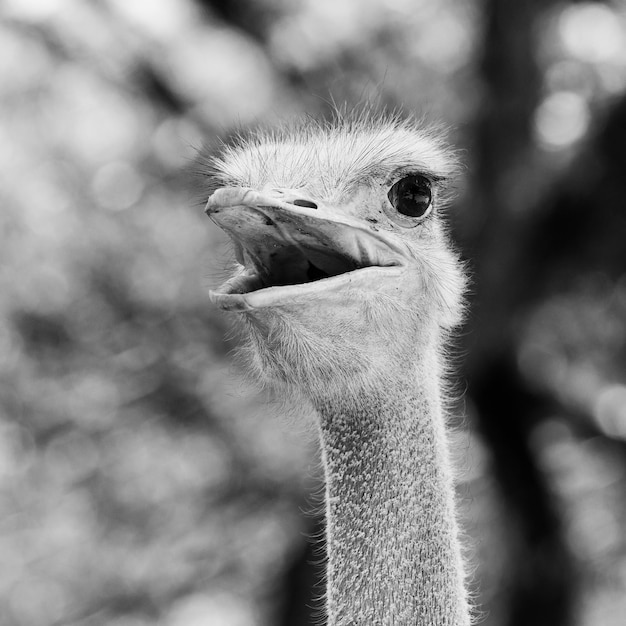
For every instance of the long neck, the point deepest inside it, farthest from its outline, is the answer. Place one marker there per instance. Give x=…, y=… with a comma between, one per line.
x=393, y=551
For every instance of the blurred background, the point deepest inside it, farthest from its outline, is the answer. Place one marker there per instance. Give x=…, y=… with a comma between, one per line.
x=141, y=481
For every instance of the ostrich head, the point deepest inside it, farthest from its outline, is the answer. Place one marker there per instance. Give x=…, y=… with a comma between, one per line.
x=342, y=259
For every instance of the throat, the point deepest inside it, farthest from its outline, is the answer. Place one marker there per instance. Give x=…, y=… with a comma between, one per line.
x=393, y=551
x=315, y=273
x=293, y=265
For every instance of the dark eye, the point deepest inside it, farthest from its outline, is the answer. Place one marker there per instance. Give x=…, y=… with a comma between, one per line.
x=412, y=196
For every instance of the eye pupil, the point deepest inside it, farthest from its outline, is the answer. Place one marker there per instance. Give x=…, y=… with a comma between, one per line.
x=411, y=196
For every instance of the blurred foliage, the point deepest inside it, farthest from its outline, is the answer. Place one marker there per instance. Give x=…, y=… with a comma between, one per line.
x=141, y=481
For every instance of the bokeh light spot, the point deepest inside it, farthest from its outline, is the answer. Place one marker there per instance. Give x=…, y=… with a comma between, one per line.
x=592, y=32
x=34, y=10
x=224, y=71
x=161, y=18
x=176, y=142
x=117, y=185
x=200, y=610
x=561, y=120
x=610, y=410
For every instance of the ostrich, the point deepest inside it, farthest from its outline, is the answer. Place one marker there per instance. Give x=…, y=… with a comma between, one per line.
x=347, y=289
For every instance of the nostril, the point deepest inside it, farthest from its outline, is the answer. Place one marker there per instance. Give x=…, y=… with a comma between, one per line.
x=305, y=203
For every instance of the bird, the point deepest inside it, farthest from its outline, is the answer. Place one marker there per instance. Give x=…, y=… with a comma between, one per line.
x=347, y=290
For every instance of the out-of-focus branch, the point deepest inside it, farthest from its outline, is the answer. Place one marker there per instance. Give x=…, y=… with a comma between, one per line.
x=250, y=16
x=542, y=578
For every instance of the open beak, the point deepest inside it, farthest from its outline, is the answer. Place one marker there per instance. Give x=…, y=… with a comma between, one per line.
x=288, y=248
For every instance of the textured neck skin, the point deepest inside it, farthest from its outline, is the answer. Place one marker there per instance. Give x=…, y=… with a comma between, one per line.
x=393, y=550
